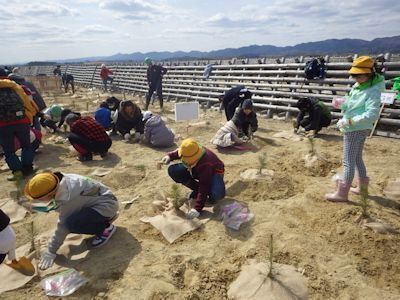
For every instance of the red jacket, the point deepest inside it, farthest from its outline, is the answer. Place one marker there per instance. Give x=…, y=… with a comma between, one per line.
x=204, y=170
x=88, y=128
x=104, y=73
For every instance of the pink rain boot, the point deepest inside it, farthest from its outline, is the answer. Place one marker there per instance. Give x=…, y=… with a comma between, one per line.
x=341, y=193
x=362, y=183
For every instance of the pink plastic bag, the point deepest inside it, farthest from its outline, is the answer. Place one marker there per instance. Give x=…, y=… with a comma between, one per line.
x=235, y=214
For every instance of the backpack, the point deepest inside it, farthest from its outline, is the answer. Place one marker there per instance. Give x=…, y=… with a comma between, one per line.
x=11, y=105
x=313, y=68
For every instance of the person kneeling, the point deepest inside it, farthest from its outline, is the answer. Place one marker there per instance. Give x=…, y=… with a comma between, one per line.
x=319, y=115
x=200, y=170
x=228, y=135
x=156, y=133
x=86, y=206
x=87, y=137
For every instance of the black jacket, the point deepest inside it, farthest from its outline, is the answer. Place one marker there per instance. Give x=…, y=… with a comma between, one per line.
x=155, y=73
x=4, y=220
x=37, y=98
x=243, y=121
x=125, y=123
x=232, y=100
x=319, y=115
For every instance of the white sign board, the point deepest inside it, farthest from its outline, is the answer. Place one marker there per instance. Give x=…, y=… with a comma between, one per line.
x=388, y=97
x=186, y=111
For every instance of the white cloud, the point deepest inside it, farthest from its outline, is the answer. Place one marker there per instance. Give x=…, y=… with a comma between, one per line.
x=50, y=29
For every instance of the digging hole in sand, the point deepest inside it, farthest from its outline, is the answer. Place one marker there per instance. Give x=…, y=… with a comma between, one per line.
x=257, y=174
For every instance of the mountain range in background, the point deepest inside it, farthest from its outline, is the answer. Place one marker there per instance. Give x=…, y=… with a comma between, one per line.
x=331, y=46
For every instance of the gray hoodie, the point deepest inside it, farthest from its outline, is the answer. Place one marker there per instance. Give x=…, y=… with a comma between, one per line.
x=74, y=193
x=157, y=134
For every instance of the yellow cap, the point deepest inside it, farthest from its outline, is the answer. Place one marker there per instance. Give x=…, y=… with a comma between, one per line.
x=190, y=151
x=41, y=185
x=362, y=65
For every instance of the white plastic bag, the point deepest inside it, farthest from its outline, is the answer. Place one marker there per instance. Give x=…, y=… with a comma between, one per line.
x=63, y=284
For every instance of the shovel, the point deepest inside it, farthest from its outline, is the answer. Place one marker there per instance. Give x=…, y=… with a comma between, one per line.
x=23, y=265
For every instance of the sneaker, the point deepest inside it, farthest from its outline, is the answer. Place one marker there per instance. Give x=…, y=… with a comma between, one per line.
x=102, y=239
x=87, y=157
x=15, y=176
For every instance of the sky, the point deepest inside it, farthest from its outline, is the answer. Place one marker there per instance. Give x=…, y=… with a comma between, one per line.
x=39, y=30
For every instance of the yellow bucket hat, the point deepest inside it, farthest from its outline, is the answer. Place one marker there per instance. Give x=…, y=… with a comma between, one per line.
x=362, y=65
x=41, y=185
x=190, y=151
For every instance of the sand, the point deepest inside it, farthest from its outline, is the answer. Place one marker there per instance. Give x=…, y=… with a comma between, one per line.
x=339, y=258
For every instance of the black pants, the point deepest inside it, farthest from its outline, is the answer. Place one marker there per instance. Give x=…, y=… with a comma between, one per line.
x=154, y=87
x=48, y=123
x=85, y=146
x=323, y=122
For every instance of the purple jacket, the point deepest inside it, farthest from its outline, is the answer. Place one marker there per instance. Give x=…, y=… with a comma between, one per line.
x=204, y=170
x=157, y=134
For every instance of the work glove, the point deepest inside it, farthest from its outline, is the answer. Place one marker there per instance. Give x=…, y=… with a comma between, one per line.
x=343, y=123
x=127, y=136
x=192, y=214
x=47, y=260
x=137, y=135
x=300, y=130
x=166, y=160
x=311, y=133
x=7, y=242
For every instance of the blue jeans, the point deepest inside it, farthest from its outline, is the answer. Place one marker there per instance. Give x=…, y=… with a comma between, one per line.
x=105, y=81
x=180, y=174
x=22, y=133
x=87, y=221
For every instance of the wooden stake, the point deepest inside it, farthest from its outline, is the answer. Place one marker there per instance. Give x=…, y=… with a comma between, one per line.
x=376, y=122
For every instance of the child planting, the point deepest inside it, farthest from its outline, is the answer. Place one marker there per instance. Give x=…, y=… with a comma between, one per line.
x=85, y=206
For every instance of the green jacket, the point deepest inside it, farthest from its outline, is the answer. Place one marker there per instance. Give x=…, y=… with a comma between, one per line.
x=396, y=87
x=363, y=104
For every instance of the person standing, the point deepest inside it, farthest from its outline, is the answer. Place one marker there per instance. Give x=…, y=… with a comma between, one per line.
x=154, y=80
x=360, y=111
x=105, y=75
x=16, y=115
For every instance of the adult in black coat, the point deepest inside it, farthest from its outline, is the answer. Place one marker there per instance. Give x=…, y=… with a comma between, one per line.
x=313, y=115
x=234, y=98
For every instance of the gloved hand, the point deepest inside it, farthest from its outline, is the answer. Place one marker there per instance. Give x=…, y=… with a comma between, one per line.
x=300, y=130
x=7, y=242
x=192, y=214
x=127, y=136
x=47, y=260
x=343, y=123
x=137, y=135
x=311, y=133
x=166, y=160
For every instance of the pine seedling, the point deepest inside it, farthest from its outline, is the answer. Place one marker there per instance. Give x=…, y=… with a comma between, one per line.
x=271, y=256
x=364, y=202
x=262, y=162
x=141, y=168
x=311, y=142
x=175, y=194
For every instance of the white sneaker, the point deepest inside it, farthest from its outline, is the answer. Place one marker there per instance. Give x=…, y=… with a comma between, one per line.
x=102, y=239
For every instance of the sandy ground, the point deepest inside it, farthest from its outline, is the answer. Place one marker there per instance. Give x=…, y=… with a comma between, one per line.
x=339, y=258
